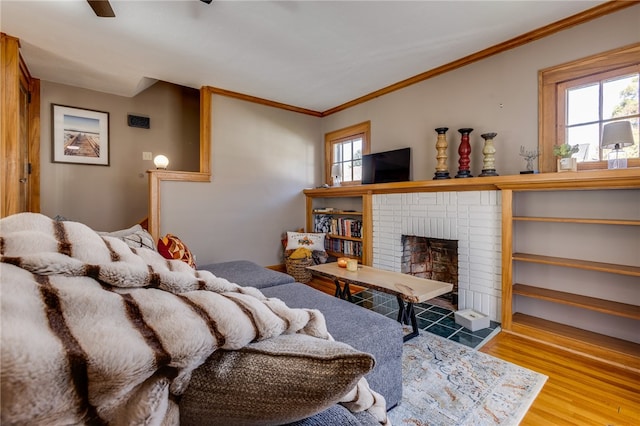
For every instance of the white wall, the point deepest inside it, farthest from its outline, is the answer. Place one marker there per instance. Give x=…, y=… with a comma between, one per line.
x=116, y=197
x=498, y=94
x=262, y=158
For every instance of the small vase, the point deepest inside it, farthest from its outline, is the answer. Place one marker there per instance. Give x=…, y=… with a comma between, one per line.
x=567, y=165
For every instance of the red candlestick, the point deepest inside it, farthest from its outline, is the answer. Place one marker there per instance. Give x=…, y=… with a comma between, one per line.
x=465, y=151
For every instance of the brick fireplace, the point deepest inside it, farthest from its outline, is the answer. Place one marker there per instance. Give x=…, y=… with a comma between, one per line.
x=432, y=258
x=471, y=218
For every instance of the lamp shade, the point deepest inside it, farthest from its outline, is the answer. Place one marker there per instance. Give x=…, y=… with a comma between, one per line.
x=161, y=161
x=617, y=134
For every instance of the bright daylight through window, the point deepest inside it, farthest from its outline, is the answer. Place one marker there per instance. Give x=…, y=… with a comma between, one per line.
x=347, y=157
x=579, y=98
x=344, y=149
x=591, y=105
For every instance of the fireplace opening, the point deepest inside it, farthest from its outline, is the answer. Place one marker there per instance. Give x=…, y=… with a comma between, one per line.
x=434, y=259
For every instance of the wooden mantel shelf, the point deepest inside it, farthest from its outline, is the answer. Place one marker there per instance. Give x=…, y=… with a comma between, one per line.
x=588, y=179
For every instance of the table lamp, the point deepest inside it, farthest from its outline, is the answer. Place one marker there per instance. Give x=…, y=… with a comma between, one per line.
x=617, y=135
x=161, y=162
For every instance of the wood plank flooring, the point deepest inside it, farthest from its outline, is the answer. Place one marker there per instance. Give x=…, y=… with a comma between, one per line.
x=579, y=391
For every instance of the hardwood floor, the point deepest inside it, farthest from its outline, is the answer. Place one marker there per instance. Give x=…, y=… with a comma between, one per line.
x=579, y=390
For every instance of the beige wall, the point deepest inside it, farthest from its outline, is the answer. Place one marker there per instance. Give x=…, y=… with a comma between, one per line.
x=498, y=94
x=262, y=158
x=115, y=197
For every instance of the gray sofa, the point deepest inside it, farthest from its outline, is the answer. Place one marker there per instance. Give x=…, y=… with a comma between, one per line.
x=360, y=328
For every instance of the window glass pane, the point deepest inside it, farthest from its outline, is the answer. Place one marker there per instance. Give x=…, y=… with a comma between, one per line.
x=634, y=150
x=357, y=148
x=346, y=151
x=582, y=104
x=357, y=170
x=620, y=97
x=346, y=172
x=587, y=137
x=337, y=153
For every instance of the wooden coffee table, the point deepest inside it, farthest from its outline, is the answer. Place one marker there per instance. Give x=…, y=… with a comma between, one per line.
x=407, y=288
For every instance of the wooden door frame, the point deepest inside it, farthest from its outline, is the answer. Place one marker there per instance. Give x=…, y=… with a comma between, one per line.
x=13, y=70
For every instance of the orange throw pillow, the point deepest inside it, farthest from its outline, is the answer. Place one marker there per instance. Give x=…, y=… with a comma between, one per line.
x=171, y=247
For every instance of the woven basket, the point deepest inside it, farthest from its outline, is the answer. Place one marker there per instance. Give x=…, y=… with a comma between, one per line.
x=297, y=268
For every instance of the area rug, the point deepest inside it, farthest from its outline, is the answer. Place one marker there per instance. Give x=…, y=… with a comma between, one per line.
x=446, y=383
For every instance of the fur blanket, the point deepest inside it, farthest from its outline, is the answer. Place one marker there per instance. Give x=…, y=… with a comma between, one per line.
x=94, y=332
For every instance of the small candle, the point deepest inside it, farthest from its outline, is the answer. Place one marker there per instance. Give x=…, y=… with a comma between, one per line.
x=352, y=265
x=342, y=262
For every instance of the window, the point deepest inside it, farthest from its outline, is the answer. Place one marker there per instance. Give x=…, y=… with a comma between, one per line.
x=344, y=149
x=579, y=98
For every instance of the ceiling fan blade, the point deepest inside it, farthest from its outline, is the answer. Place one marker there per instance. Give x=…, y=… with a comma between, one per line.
x=102, y=8
x=206, y=1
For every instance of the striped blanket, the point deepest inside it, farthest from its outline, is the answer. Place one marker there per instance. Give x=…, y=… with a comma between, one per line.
x=95, y=332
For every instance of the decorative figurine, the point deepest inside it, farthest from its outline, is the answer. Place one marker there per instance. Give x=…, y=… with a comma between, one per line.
x=465, y=151
x=489, y=151
x=529, y=156
x=441, y=146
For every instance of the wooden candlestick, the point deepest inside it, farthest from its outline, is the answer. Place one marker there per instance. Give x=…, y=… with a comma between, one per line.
x=489, y=151
x=442, y=171
x=464, y=150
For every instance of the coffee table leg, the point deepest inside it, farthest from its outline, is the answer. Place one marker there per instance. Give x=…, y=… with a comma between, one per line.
x=407, y=314
x=343, y=293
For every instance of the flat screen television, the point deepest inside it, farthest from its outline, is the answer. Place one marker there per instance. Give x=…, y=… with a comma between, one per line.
x=387, y=166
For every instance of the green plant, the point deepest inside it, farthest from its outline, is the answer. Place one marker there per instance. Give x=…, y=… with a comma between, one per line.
x=565, y=150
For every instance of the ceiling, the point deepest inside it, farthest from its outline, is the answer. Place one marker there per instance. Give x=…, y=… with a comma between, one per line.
x=310, y=54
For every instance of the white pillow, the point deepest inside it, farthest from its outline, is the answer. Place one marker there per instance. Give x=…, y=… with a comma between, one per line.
x=135, y=237
x=312, y=241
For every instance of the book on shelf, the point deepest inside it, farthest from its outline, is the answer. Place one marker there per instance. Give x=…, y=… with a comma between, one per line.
x=342, y=226
x=346, y=247
x=324, y=210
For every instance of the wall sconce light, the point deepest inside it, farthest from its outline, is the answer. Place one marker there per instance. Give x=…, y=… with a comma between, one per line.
x=617, y=135
x=161, y=162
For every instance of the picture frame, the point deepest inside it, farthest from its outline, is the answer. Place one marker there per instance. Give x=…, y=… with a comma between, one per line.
x=79, y=135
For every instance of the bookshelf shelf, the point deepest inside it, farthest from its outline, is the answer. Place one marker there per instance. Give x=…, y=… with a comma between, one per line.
x=545, y=322
x=578, y=264
x=338, y=212
x=585, y=302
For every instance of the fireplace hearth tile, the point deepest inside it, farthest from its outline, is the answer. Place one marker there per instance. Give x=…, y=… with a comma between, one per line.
x=449, y=322
x=441, y=330
x=441, y=310
x=466, y=339
x=431, y=318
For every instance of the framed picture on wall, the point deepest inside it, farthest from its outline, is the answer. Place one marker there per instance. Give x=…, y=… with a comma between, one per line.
x=80, y=136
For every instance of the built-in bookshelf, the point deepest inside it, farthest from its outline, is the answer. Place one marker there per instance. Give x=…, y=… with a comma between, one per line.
x=344, y=218
x=542, y=299
x=343, y=229
x=566, y=278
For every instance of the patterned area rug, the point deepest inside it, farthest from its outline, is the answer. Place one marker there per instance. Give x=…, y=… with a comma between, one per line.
x=446, y=383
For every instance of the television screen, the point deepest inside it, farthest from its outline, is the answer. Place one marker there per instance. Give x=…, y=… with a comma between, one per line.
x=388, y=166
